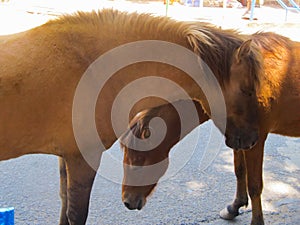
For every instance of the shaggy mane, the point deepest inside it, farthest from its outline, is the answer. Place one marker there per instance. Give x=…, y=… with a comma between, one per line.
x=270, y=42
x=277, y=48
x=214, y=46
x=137, y=22
x=138, y=123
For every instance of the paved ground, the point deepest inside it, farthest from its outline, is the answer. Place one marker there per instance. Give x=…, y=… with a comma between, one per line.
x=191, y=196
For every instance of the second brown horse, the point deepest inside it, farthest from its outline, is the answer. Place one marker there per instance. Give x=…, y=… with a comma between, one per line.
x=265, y=79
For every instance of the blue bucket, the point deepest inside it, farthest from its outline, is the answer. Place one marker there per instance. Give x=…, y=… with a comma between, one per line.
x=7, y=216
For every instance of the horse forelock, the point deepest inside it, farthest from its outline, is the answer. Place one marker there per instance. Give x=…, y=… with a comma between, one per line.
x=270, y=42
x=135, y=128
x=275, y=49
x=267, y=42
x=141, y=121
x=255, y=64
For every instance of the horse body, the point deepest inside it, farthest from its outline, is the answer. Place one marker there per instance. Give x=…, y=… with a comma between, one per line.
x=264, y=79
x=40, y=70
x=36, y=93
x=277, y=99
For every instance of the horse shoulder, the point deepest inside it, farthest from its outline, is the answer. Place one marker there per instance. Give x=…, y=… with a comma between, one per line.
x=284, y=84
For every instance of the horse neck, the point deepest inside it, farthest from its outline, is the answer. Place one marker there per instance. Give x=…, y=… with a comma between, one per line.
x=92, y=42
x=89, y=38
x=93, y=34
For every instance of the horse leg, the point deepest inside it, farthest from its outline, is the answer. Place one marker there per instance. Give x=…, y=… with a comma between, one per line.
x=254, y=164
x=80, y=178
x=63, y=192
x=241, y=197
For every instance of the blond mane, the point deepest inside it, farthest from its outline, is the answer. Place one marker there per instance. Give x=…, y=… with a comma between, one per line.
x=142, y=23
x=274, y=51
x=147, y=23
x=214, y=46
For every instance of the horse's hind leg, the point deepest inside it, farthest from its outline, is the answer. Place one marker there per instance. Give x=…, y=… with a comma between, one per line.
x=63, y=192
x=241, y=198
x=254, y=163
x=80, y=178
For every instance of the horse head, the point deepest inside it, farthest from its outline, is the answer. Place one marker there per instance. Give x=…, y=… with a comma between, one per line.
x=144, y=163
x=242, y=129
x=147, y=144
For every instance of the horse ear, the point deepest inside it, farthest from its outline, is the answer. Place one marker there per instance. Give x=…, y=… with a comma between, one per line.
x=244, y=50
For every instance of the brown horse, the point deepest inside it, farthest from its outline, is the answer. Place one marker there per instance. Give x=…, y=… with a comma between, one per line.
x=139, y=183
x=51, y=75
x=277, y=95
x=274, y=93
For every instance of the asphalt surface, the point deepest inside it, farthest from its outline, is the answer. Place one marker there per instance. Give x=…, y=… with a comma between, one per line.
x=191, y=195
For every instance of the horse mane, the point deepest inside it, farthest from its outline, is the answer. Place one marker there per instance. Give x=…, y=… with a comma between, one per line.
x=254, y=61
x=270, y=42
x=276, y=48
x=143, y=118
x=142, y=23
x=165, y=111
x=213, y=45
x=137, y=124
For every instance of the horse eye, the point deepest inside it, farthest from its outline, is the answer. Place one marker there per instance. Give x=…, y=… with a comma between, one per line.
x=146, y=133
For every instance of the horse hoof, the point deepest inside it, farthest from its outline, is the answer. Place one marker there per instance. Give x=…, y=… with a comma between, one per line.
x=226, y=215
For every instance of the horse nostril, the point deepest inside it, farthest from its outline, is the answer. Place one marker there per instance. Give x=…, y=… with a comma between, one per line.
x=127, y=205
x=140, y=205
x=253, y=144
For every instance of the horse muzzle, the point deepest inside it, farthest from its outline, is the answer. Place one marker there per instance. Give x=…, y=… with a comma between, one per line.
x=136, y=203
x=242, y=140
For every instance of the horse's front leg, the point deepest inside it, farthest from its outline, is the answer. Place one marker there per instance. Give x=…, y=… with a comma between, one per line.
x=241, y=197
x=63, y=192
x=254, y=165
x=80, y=178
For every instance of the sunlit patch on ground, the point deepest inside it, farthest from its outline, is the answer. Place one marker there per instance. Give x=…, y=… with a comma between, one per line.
x=280, y=188
x=281, y=177
x=226, y=165
x=195, y=185
x=292, y=149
